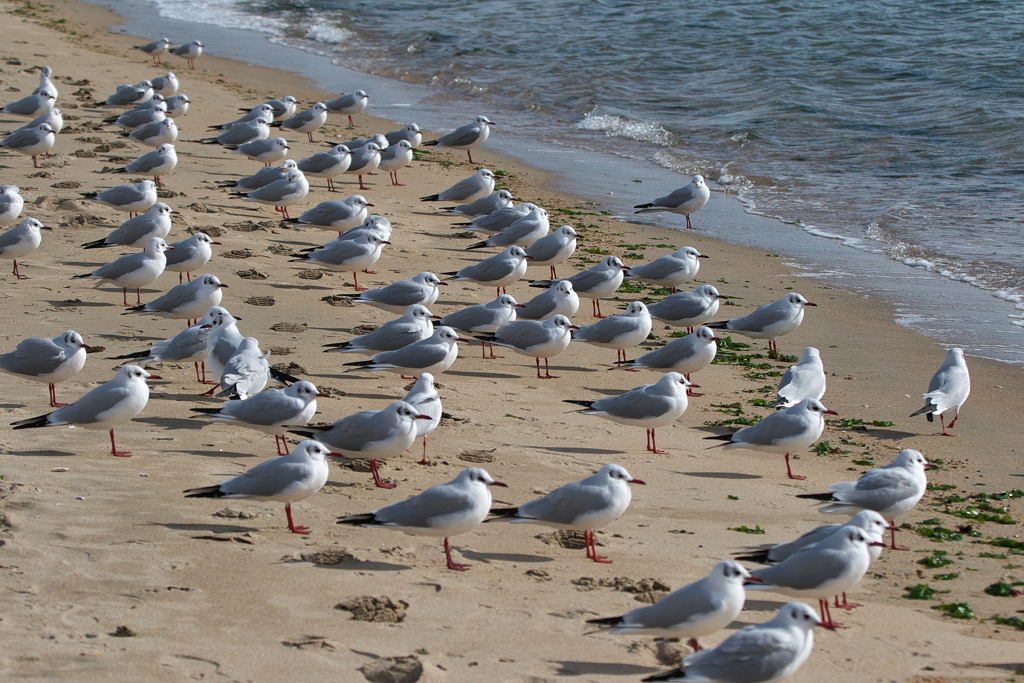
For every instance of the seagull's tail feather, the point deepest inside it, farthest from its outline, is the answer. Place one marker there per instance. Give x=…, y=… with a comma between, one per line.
x=827, y=497
x=719, y=437
x=720, y=325
x=32, y=422
x=673, y=675
x=585, y=404
x=204, y=492
x=430, y=198
x=283, y=377
x=610, y=622
x=358, y=520
x=761, y=556
x=95, y=244
x=478, y=245
x=928, y=409
x=137, y=355
x=502, y=514
x=429, y=143
x=361, y=363
x=206, y=411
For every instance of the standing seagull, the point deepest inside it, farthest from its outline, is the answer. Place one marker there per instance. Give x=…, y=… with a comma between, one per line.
x=189, y=345
x=594, y=283
x=697, y=609
x=483, y=318
x=335, y=215
x=160, y=161
x=31, y=141
x=347, y=255
x=272, y=411
x=769, y=321
x=551, y=250
x=787, y=431
x=133, y=270
x=365, y=160
x=558, y=299
x=434, y=354
x=327, y=165
x=131, y=198
x=268, y=152
x=485, y=206
x=51, y=361
x=394, y=158
x=411, y=134
x=190, y=52
x=280, y=194
x=156, y=134
x=287, y=479
x=105, y=407
x=523, y=233
x=307, y=121
x=371, y=434
x=11, y=204
x=497, y=220
x=948, y=390
x=890, y=490
x=499, y=271
x=687, y=355
x=757, y=654
x=138, y=231
x=687, y=309
x=444, y=510
x=670, y=270
x=413, y=326
x=398, y=296
x=476, y=186
x=166, y=85
x=806, y=379
x=20, y=241
x=465, y=137
x=585, y=505
x=649, y=406
x=619, y=332
x=536, y=339
x=686, y=200
x=190, y=254
x=247, y=371
x=34, y=105
x=188, y=301
x=424, y=398
x=155, y=49
x=347, y=105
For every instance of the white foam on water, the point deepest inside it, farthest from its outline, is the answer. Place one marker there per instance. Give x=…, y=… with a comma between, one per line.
x=610, y=124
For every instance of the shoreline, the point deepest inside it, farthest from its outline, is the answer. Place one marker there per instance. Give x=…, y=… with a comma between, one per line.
x=921, y=298
x=209, y=592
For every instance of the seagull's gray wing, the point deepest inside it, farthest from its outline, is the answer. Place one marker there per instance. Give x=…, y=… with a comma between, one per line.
x=182, y=252
x=760, y=318
x=523, y=335
x=120, y=196
x=273, y=477
x=634, y=405
x=329, y=212
x=877, y=489
x=417, y=355
x=464, y=135
x=390, y=336
x=275, y=191
x=470, y=319
x=401, y=293
x=753, y=654
x=34, y=356
x=689, y=603
x=538, y=307
x=318, y=163
x=119, y=268
x=608, y=329
x=10, y=238
x=677, y=197
x=587, y=280
x=567, y=504
x=771, y=429
x=146, y=163
x=805, y=570
x=90, y=407
x=268, y=407
x=21, y=138
x=489, y=269
x=426, y=509
x=658, y=269
x=188, y=344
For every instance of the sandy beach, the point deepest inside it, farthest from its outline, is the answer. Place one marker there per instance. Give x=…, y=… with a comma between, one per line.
x=95, y=548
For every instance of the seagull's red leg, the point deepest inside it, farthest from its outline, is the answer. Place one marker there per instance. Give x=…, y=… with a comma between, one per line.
x=291, y=524
x=789, y=472
x=378, y=482
x=452, y=564
x=113, y=448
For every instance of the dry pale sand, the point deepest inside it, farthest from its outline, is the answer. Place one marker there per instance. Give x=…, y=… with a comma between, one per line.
x=220, y=590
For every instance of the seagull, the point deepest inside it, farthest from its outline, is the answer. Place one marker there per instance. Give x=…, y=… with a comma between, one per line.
x=188, y=301
x=190, y=52
x=413, y=326
x=370, y=434
x=107, y=406
x=20, y=241
x=347, y=255
x=424, y=398
x=11, y=204
x=177, y=105
x=190, y=254
x=347, y=105
x=697, y=609
x=558, y=299
x=435, y=354
x=649, y=406
x=138, y=231
x=523, y=233
x=131, y=198
x=335, y=215
x=411, y=134
x=143, y=115
x=539, y=339
x=156, y=134
x=267, y=152
x=499, y=271
x=166, y=85
x=328, y=165
x=155, y=49
x=465, y=137
x=261, y=178
x=499, y=219
x=687, y=355
x=868, y=520
x=394, y=158
x=669, y=271
x=222, y=340
x=282, y=107
x=831, y=566
x=31, y=142
x=619, y=332
x=51, y=361
x=687, y=309
x=378, y=139
x=288, y=479
x=396, y=297
x=242, y=132
x=769, y=321
x=806, y=379
x=247, y=371
x=444, y=510
x=594, y=283
x=761, y=653
x=476, y=186
x=272, y=411
x=948, y=390
x=34, y=105
x=686, y=200
x=550, y=250
x=307, y=121
x=585, y=505
x=485, y=206
x=280, y=194
x=53, y=117
x=890, y=490
x=133, y=270
x=260, y=111
x=483, y=318
x=787, y=431
x=189, y=345
x=365, y=160
x=159, y=162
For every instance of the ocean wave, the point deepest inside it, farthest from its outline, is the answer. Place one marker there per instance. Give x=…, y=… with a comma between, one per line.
x=610, y=124
x=331, y=34
x=226, y=13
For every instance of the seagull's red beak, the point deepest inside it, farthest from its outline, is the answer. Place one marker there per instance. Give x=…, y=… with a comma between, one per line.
x=637, y=481
x=222, y=285
x=498, y=483
x=810, y=304
x=831, y=412
x=154, y=377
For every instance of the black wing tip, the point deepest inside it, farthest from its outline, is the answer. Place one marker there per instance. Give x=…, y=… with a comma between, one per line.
x=358, y=520
x=360, y=363
x=127, y=356
x=606, y=621
x=206, y=411
x=719, y=437
x=429, y=143
x=673, y=675
x=827, y=497
x=643, y=206
x=204, y=492
x=478, y=245
x=32, y=422
x=585, y=404
x=760, y=558
x=504, y=512
x=283, y=377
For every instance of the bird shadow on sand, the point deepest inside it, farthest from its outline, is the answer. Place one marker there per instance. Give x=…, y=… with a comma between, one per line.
x=606, y=392
x=503, y=557
x=601, y=668
x=371, y=397
x=82, y=304
x=720, y=475
x=491, y=375
x=759, y=606
x=590, y=451
x=171, y=423
x=215, y=454
x=208, y=527
x=43, y=454
x=890, y=434
x=366, y=566
x=282, y=285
